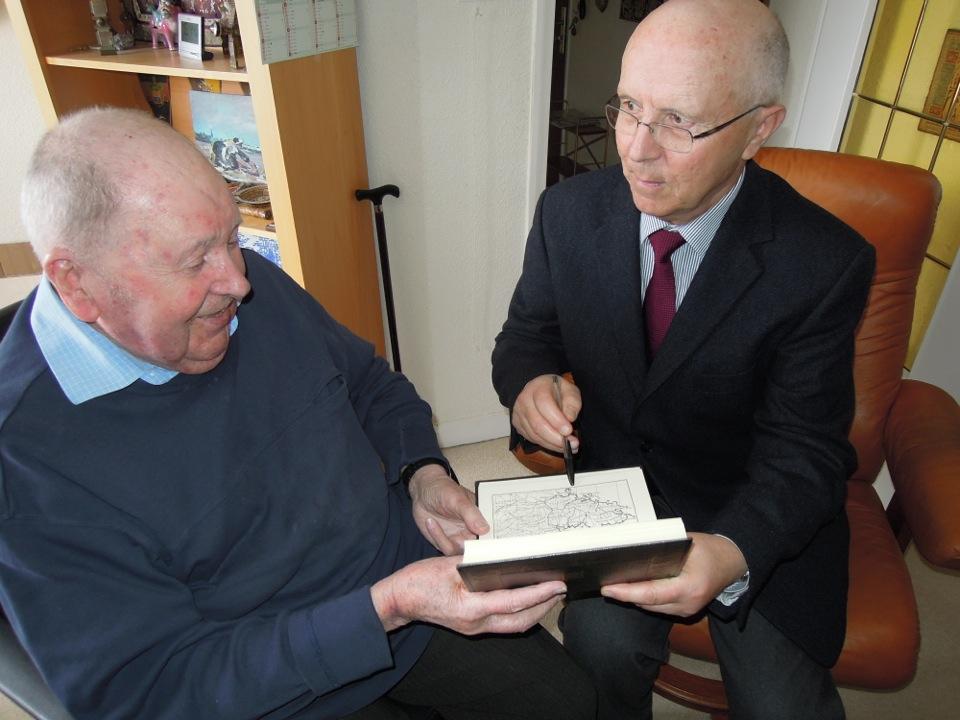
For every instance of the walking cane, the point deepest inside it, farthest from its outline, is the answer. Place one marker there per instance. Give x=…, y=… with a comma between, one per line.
x=375, y=195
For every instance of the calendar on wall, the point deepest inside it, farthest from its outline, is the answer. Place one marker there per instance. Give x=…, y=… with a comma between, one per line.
x=297, y=28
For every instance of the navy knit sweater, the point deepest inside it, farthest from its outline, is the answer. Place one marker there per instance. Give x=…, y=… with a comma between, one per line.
x=204, y=548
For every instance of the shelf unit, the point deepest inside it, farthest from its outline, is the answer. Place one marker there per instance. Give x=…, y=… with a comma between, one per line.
x=309, y=123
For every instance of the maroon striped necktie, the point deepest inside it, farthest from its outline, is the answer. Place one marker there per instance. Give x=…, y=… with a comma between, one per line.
x=660, y=299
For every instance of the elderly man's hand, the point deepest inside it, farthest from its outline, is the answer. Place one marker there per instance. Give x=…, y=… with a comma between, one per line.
x=539, y=418
x=432, y=591
x=713, y=564
x=445, y=512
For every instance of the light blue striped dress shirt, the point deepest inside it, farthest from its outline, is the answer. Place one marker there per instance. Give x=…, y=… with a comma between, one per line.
x=686, y=259
x=698, y=235
x=86, y=363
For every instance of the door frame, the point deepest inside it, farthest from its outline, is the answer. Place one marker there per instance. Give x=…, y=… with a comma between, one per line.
x=540, y=73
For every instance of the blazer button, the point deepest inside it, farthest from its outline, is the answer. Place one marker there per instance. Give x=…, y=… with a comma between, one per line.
x=645, y=446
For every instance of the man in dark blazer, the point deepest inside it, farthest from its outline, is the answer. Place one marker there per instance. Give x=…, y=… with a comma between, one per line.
x=739, y=414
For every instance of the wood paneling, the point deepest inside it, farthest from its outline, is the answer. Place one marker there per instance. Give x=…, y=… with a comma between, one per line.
x=18, y=259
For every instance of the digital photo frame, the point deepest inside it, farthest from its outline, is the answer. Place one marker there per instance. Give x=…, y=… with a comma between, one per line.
x=190, y=36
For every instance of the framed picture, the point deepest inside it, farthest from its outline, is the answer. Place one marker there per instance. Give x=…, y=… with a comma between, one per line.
x=943, y=87
x=190, y=34
x=225, y=132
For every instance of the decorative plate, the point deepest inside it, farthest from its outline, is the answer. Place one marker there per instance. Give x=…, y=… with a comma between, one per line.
x=253, y=194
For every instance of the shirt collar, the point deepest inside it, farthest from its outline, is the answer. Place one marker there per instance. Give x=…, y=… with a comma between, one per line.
x=699, y=232
x=86, y=363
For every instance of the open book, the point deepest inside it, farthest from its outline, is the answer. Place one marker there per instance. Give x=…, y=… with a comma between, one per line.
x=603, y=530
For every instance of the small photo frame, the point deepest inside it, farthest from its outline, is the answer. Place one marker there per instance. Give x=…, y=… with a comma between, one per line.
x=190, y=35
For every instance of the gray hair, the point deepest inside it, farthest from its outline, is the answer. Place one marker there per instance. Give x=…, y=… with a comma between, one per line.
x=78, y=176
x=770, y=60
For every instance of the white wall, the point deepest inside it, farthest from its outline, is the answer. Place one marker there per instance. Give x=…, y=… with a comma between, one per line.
x=827, y=40
x=446, y=90
x=937, y=361
x=22, y=126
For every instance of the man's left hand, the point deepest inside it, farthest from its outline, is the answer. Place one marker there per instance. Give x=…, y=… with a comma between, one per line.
x=712, y=564
x=444, y=511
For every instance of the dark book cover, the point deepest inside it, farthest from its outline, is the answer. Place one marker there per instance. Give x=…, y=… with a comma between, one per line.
x=584, y=571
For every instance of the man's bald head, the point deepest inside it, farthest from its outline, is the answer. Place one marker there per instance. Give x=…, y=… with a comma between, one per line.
x=736, y=46
x=93, y=166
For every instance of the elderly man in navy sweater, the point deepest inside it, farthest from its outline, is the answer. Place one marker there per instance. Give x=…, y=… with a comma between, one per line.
x=216, y=501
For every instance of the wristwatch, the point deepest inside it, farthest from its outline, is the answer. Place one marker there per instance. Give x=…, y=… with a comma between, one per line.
x=408, y=471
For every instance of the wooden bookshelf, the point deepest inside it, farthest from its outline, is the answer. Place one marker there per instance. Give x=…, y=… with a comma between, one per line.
x=309, y=123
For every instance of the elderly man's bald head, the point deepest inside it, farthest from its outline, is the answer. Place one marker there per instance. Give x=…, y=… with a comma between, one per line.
x=93, y=166
x=736, y=45
x=692, y=70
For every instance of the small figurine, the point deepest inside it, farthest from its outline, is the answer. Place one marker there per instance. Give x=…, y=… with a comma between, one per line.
x=234, y=48
x=102, y=29
x=123, y=40
x=163, y=22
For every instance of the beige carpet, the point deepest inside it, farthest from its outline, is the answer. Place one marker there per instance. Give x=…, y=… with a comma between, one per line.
x=934, y=693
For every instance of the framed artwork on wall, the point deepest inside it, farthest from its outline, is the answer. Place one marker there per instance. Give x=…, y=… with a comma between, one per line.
x=943, y=88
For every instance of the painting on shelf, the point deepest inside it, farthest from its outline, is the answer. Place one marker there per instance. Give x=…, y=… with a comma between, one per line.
x=226, y=133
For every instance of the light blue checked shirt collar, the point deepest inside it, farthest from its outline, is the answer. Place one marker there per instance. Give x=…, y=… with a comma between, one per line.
x=697, y=233
x=86, y=363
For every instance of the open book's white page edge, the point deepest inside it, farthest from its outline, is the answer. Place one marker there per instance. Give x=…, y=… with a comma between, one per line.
x=481, y=551
x=633, y=476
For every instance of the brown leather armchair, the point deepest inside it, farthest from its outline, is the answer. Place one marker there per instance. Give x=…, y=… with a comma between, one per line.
x=913, y=426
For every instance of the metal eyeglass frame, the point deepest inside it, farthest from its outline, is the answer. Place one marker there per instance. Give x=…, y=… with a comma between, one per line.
x=706, y=133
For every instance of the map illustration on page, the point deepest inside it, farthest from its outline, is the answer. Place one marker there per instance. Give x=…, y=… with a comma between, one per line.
x=601, y=530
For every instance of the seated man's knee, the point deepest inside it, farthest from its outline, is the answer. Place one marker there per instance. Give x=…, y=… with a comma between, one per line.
x=602, y=633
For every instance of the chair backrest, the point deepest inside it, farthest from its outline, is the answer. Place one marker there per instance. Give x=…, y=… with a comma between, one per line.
x=894, y=207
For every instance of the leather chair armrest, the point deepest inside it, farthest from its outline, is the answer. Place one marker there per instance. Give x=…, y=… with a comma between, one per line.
x=922, y=444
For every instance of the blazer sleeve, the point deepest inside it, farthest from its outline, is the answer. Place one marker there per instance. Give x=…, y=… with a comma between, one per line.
x=530, y=344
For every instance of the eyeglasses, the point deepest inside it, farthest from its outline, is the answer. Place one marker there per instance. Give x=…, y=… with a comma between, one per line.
x=669, y=137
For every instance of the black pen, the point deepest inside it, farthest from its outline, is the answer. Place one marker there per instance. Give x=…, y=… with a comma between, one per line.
x=567, y=451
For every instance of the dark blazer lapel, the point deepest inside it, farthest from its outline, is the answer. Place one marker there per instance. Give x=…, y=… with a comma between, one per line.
x=727, y=271
x=616, y=278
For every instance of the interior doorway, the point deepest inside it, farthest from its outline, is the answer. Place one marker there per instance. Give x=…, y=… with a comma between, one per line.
x=587, y=42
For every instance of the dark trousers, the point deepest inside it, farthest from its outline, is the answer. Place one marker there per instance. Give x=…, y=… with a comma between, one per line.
x=765, y=674
x=528, y=677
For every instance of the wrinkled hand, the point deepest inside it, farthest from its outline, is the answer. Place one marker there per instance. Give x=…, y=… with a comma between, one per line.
x=712, y=564
x=537, y=416
x=432, y=591
x=444, y=511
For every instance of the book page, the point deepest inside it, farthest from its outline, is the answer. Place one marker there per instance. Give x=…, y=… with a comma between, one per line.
x=522, y=507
